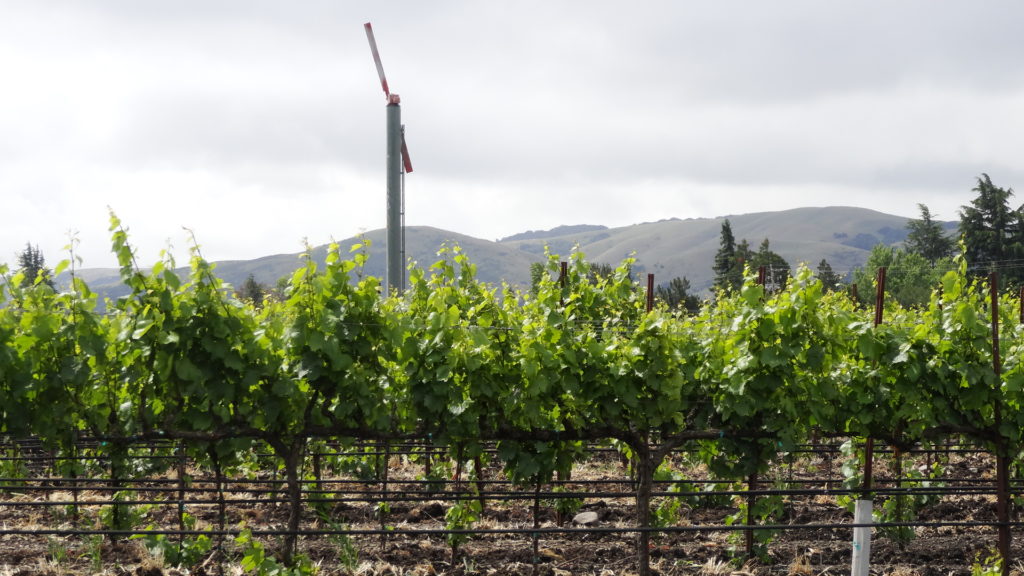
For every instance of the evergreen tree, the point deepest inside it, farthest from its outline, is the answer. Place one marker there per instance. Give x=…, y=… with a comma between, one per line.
x=992, y=231
x=676, y=295
x=733, y=258
x=728, y=270
x=598, y=271
x=730, y=259
x=927, y=238
x=776, y=268
x=744, y=256
x=252, y=291
x=33, y=266
x=831, y=281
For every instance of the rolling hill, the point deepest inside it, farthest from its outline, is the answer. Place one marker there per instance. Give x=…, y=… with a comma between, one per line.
x=668, y=248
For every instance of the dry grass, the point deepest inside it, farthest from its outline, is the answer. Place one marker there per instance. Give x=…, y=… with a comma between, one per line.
x=800, y=566
x=903, y=571
x=715, y=567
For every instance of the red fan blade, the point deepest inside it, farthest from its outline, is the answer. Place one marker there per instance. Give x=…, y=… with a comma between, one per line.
x=376, y=59
x=405, y=155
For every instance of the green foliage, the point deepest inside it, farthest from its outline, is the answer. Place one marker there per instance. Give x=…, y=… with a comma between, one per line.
x=770, y=375
x=927, y=238
x=993, y=233
x=733, y=259
x=354, y=464
x=456, y=351
x=728, y=265
x=253, y=292
x=339, y=343
x=348, y=553
x=830, y=281
x=752, y=374
x=12, y=468
x=666, y=513
x=122, y=515
x=676, y=295
x=600, y=271
x=565, y=506
x=186, y=553
x=56, y=551
x=437, y=477
x=776, y=269
x=463, y=515
x=766, y=510
x=905, y=508
x=32, y=268
x=536, y=274
x=256, y=561
x=991, y=565
x=94, y=551
x=910, y=277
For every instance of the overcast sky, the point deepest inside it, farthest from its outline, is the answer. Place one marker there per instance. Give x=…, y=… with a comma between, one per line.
x=257, y=124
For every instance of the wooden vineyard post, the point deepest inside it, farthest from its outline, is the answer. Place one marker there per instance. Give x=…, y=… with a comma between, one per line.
x=897, y=456
x=291, y=452
x=317, y=458
x=74, y=480
x=384, y=507
x=458, y=499
x=751, y=502
x=218, y=477
x=1002, y=461
x=563, y=281
x=118, y=461
x=536, y=526
x=182, y=471
x=644, y=481
x=478, y=470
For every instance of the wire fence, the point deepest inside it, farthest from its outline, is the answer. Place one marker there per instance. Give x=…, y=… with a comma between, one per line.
x=381, y=496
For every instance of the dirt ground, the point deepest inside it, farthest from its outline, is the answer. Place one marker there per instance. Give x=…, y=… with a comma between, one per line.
x=932, y=551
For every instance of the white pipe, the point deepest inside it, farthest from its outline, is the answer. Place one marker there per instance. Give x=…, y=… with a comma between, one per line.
x=861, y=539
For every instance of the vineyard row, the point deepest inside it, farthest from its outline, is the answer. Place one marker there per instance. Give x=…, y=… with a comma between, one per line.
x=750, y=376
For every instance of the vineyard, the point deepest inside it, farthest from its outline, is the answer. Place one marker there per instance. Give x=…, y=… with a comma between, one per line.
x=500, y=402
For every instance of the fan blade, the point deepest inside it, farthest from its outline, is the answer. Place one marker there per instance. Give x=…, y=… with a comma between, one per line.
x=376, y=59
x=405, y=155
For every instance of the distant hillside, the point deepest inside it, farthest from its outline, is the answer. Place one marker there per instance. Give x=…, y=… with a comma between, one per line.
x=554, y=232
x=669, y=248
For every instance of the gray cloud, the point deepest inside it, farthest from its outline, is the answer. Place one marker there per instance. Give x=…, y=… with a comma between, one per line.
x=575, y=104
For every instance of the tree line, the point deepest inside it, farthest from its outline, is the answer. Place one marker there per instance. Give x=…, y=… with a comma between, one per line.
x=991, y=235
x=991, y=239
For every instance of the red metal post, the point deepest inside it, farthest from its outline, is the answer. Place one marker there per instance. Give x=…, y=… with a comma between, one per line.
x=869, y=443
x=880, y=296
x=562, y=279
x=1002, y=461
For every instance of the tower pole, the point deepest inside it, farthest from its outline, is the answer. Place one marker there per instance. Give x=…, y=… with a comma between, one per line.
x=395, y=277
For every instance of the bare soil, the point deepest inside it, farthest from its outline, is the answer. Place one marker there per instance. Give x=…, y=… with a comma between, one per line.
x=933, y=551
